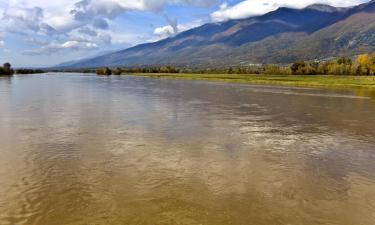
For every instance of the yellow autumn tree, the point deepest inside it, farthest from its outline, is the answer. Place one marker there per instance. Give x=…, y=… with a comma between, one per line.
x=364, y=64
x=373, y=63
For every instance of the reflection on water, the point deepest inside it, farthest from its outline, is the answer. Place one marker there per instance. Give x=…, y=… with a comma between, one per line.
x=85, y=150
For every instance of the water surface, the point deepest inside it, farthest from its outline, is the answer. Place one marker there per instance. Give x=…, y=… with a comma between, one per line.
x=86, y=150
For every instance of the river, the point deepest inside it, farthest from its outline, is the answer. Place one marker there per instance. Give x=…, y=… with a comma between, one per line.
x=87, y=150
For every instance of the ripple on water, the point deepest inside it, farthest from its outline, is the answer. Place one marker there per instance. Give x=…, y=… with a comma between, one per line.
x=79, y=150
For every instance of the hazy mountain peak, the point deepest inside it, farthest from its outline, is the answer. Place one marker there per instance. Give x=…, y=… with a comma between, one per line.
x=323, y=8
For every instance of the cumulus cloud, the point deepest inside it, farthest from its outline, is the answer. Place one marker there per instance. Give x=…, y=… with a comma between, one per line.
x=249, y=8
x=164, y=32
x=88, y=31
x=58, y=47
x=72, y=13
x=105, y=38
x=66, y=21
x=35, y=41
x=97, y=12
x=172, y=21
x=100, y=23
x=78, y=45
x=169, y=30
x=20, y=19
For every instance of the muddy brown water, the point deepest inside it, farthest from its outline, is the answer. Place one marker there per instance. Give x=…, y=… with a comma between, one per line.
x=86, y=150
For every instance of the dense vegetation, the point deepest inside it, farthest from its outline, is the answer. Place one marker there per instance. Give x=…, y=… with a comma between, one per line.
x=7, y=70
x=29, y=71
x=104, y=71
x=119, y=71
x=362, y=65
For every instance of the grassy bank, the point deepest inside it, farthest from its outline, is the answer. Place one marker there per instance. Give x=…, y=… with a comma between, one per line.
x=363, y=82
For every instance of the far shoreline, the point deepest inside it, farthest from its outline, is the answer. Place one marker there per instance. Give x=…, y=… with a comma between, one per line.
x=310, y=81
x=333, y=82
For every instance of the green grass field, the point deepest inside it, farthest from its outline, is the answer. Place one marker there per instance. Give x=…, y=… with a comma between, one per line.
x=358, y=82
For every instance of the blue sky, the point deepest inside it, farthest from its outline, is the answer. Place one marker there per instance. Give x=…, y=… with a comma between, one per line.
x=48, y=32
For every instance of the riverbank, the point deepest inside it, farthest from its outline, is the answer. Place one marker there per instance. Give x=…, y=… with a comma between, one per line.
x=324, y=81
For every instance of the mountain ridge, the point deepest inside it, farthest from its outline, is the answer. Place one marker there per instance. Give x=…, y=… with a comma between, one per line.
x=281, y=36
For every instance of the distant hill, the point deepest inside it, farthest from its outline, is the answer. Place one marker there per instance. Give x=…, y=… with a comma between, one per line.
x=281, y=36
x=71, y=63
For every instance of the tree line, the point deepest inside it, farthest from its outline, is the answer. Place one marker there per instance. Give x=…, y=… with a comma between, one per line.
x=29, y=71
x=361, y=65
x=119, y=71
x=7, y=70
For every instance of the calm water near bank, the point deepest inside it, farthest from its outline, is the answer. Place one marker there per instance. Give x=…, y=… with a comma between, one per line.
x=88, y=150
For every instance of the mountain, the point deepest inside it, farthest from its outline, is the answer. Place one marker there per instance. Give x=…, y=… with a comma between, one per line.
x=281, y=36
x=71, y=63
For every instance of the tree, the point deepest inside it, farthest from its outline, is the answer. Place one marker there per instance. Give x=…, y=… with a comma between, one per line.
x=364, y=64
x=344, y=61
x=104, y=71
x=117, y=71
x=363, y=59
x=372, y=63
x=7, y=66
x=275, y=70
x=298, y=68
x=312, y=68
x=6, y=69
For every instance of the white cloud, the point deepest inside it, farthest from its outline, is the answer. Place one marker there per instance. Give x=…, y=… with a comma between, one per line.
x=167, y=31
x=70, y=14
x=2, y=43
x=57, y=24
x=58, y=47
x=126, y=38
x=88, y=31
x=20, y=19
x=66, y=15
x=78, y=45
x=164, y=32
x=249, y=8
